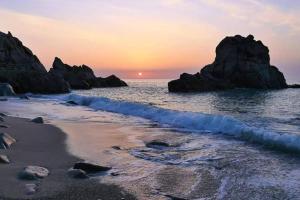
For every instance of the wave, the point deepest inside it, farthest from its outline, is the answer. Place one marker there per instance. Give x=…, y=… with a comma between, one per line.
x=192, y=121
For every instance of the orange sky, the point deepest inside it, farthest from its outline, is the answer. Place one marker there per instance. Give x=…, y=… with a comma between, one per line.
x=161, y=38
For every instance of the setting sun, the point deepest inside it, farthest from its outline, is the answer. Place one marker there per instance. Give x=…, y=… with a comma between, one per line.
x=140, y=74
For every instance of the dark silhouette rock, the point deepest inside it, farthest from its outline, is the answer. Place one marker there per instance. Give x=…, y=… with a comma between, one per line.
x=23, y=71
x=72, y=103
x=33, y=173
x=83, y=77
x=38, y=120
x=6, y=141
x=90, y=168
x=240, y=63
x=6, y=90
x=294, y=86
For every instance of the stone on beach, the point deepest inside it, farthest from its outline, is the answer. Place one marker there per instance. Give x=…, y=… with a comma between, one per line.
x=3, y=126
x=38, y=120
x=72, y=103
x=1, y=119
x=6, y=90
x=77, y=173
x=91, y=168
x=33, y=173
x=30, y=188
x=3, y=115
x=6, y=141
x=4, y=159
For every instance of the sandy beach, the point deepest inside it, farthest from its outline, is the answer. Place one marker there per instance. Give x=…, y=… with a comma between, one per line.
x=44, y=145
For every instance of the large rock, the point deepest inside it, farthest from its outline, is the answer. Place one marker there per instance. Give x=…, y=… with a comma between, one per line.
x=240, y=63
x=6, y=141
x=6, y=90
x=83, y=77
x=23, y=71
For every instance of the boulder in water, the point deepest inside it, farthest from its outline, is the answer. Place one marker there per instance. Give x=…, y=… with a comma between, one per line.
x=6, y=141
x=77, y=174
x=38, y=120
x=241, y=62
x=6, y=90
x=33, y=173
x=90, y=168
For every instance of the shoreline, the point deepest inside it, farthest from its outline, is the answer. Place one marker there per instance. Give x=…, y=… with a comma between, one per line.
x=45, y=145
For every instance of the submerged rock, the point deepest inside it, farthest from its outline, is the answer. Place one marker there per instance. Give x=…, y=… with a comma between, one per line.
x=155, y=143
x=77, y=173
x=6, y=90
x=38, y=120
x=83, y=77
x=91, y=168
x=240, y=63
x=6, y=141
x=23, y=71
x=4, y=159
x=33, y=173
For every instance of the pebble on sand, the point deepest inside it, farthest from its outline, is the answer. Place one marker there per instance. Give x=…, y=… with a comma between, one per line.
x=33, y=173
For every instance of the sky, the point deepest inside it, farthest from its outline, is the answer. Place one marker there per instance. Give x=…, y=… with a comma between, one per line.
x=158, y=38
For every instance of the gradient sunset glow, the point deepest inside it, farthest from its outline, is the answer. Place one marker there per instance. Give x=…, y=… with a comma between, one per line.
x=160, y=38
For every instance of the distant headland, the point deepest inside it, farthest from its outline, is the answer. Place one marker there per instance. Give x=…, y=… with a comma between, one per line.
x=20, y=68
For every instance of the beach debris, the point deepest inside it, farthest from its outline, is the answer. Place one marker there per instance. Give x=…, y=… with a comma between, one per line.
x=4, y=159
x=91, y=168
x=33, y=173
x=116, y=147
x=30, y=188
x=156, y=143
x=77, y=173
x=38, y=120
x=72, y=103
x=6, y=141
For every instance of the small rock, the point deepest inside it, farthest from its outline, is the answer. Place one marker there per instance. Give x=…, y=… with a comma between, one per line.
x=33, y=173
x=114, y=174
x=38, y=120
x=90, y=168
x=175, y=198
x=30, y=188
x=24, y=97
x=1, y=119
x=116, y=147
x=77, y=173
x=4, y=159
x=3, y=126
x=72, y=103
x=155, y=143
x=6, y=141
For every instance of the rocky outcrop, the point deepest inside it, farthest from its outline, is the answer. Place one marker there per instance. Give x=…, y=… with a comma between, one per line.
x=6, y=90
x=83, y=77
x=23, y=71
x=240, y=63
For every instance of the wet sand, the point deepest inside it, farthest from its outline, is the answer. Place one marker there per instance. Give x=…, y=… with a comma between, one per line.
x=44, y=145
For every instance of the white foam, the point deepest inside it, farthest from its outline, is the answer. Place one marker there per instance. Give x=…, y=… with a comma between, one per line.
x=200, y=122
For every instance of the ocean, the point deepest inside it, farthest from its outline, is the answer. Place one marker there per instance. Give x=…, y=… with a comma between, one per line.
x=245, y=143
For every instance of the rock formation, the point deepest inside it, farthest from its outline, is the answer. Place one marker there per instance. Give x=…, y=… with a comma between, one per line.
x=83, y=77
x=240, y=63
x=6, y=90
x=23, y=71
